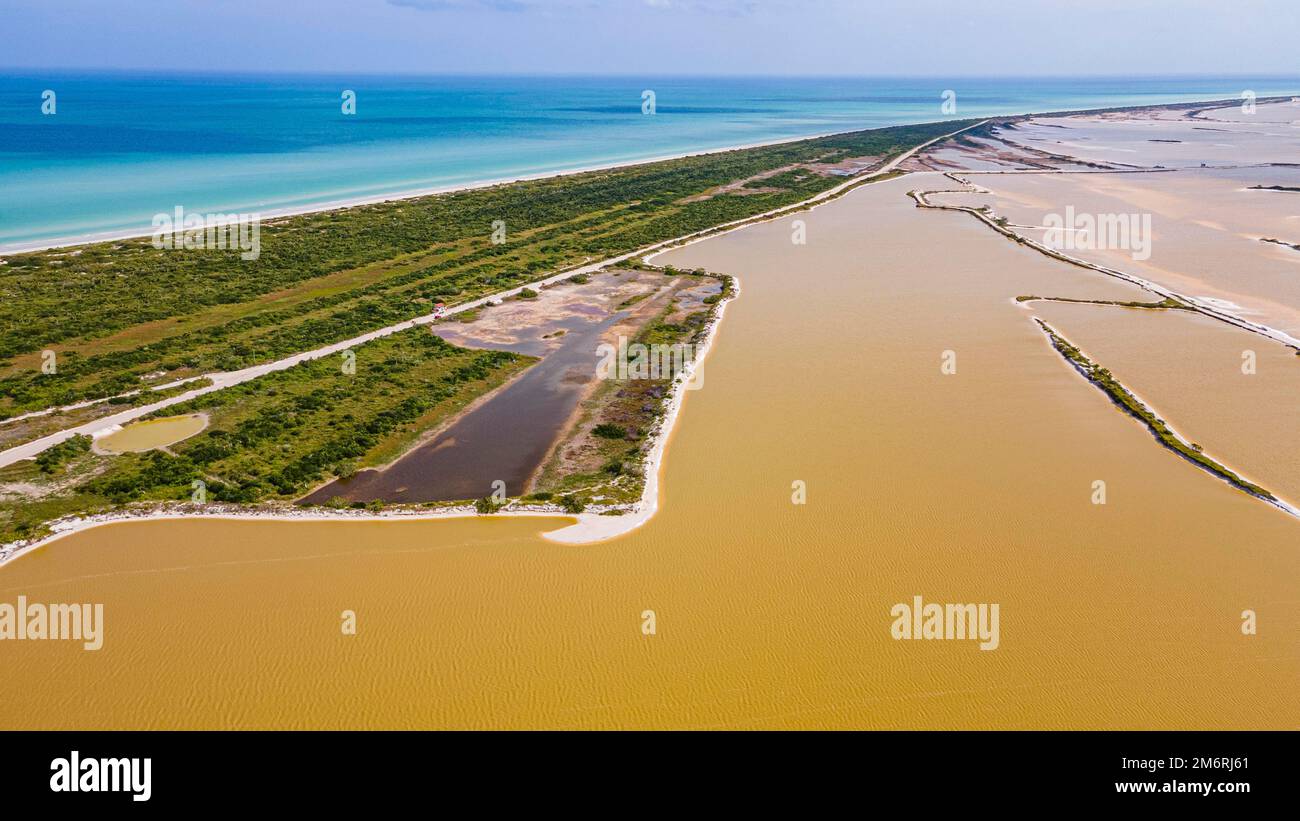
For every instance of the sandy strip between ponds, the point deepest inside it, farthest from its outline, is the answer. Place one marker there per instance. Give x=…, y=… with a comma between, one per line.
x=594, y=527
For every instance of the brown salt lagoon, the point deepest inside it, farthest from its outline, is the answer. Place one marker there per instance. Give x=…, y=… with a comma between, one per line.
x=150, y=434
x=972, y=486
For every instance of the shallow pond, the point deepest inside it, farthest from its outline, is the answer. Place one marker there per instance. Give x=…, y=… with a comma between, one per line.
x=152, y=433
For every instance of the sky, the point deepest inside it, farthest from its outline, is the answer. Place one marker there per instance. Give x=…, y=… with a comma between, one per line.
x=658, y=37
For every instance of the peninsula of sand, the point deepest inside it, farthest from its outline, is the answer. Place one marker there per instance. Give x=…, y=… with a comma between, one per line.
x=606, y=518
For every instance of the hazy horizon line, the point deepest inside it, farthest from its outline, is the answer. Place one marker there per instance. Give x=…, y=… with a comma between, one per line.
x=621, y=74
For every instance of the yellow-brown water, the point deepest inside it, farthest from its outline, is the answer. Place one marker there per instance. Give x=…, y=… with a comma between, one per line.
x=152, y=433
x=1231, y=391
x=972, y=487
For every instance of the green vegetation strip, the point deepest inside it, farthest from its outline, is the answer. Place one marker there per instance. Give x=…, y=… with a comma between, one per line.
x=123, y=314
x=1103, y=379
x=1292, y=245
x=1168, y=303
x=271, y=439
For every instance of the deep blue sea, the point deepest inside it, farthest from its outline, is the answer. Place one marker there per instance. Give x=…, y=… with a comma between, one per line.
x=121, y=147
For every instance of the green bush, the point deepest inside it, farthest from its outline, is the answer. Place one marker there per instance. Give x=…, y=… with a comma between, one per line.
x=53, y=458
x=572, y=504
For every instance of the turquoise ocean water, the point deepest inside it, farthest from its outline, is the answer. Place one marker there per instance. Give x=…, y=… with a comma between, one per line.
x=121, y=148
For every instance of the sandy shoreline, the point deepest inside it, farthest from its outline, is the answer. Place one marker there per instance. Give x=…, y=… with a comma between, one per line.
x=397, y=196
x=372, y=199
x=173, y=512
